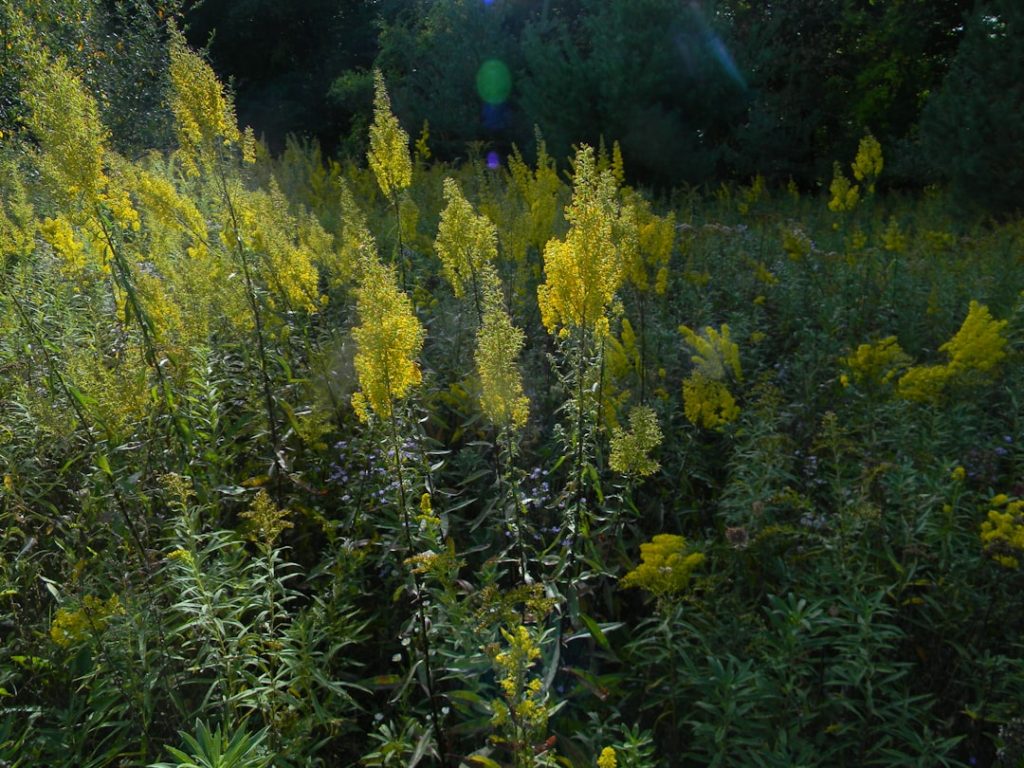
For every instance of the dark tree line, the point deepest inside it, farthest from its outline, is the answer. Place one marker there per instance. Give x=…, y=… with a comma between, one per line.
x=695, y=91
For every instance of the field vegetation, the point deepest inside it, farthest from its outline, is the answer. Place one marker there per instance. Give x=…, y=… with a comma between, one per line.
x=399, y=461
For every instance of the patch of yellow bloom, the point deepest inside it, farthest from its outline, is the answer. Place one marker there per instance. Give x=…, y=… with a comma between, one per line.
x=867, y=165
x=796, y=243
x=715, y=354
x=265, y=521
x=978, y=346
x=893, y=239
x=631, y=449
x=1002, y=534
x=607, y=758
x=72, y=627
x=388, y=155
x=583, y=271
x=845, y=195
x=666, y=566
x=65, y=120
x=204, y=116
x=877, y=363
x=707, y=401
x=467, y=245
x=523, y=707
x=498, y=344
x=389, y=337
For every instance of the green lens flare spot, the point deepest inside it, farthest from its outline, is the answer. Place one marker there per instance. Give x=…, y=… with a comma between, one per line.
x=493, y=81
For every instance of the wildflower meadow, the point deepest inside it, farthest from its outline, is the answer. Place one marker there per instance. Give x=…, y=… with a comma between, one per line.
x=395, y=461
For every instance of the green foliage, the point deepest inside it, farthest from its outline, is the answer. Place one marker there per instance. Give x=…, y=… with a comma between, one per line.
x=203, y=544
x=974, y=120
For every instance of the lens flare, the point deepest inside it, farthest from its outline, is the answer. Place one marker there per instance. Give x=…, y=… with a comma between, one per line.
x=494, y=81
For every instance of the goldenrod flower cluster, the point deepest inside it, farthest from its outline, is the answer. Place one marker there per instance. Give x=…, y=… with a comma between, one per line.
x=60, y=235
x=707, y=401
x=978, y=346
x=646, y=241
x=389, y=337
x=268, y=231
x=715, y=354
x=845, y=195
x=796, y=243
x=356, y=244
x=498, y=344
x=1002, y=534
x=265, y=521
x=65, y=120
x=467, y=245
x=631, y=449
x=523, y=706
x=583, y=271
x=607, y=758
x=72, y=627
x=204, y=116
x=666, y=566
x=867, y=165
x=893, y=239
x=388, y=155
x=539, y=190
x=877, y=363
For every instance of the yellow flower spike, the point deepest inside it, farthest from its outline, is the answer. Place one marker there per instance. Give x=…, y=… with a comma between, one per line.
x=979, y=345
x=64, y=118
x=878, y=362
x=1002, y=534
x=666, y=566
x=631, y=449
x=499, y=343
x=607, y=758
x=583, y=271
x=715, y=354
x=204, y=116
x=388, y=155
x=845, y=195
x=388, y=338
x=868, y=164
x=467, y=245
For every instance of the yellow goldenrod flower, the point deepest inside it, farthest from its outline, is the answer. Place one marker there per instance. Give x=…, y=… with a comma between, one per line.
x=631, y=450
x=958, y=474
x=467, y=245
x=583, y=272
x=1002, y=534
x=877, y=363
x=867, y=165
x=893, y=239
x=265, y=521
x=389, y=337
x=666, y=566
x=498, y=345
x=979, y=345
x=607, y=758
x=72, y=627
x=795, y=242
x=65, y=120
x=715, y=354
x=845, y=195
x=708, y=403
x=923, y=383
x=204, y=116
x=388, y=155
